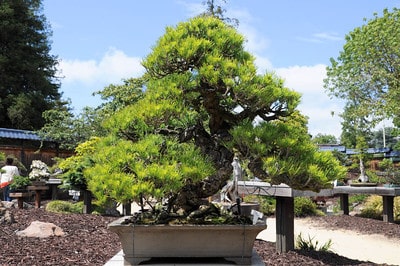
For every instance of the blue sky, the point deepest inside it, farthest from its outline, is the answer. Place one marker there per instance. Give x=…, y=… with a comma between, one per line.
x=101, y=42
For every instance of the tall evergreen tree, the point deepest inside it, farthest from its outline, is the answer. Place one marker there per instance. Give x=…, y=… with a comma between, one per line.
x=28, y=82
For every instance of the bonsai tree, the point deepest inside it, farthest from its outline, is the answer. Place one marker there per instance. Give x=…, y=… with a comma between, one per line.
x=72, y=171
x=203, y=103
x=39, y=171
x=20, y=183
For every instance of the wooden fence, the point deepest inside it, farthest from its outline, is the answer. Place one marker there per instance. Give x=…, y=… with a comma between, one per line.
x=27, y=154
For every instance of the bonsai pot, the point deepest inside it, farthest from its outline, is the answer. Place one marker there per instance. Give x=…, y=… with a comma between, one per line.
x=245, y=207
x=38, y=183
x=143, y=242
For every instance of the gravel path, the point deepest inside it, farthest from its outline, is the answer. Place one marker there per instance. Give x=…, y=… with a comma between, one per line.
x=353, y=244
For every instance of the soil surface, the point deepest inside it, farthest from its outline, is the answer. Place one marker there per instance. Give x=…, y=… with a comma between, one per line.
x=89, y=242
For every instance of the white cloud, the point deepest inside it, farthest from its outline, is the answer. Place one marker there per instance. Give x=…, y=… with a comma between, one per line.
x=263, y=64
x=315, y=103
x=328, y=36
x=83, y=77
x=114, y=66
x=322, y=37
x=305, y=79
x=254, y=41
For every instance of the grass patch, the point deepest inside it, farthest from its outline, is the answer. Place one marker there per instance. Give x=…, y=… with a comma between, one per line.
x=61, y=206
x=312, y=245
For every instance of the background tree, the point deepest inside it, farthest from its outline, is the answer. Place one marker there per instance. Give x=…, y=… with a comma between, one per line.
x=355, y=125
x=324, y=139
x=367, y=74
x=68, y=129
x=116, y=96
x=214, y=9
x=28, y=82
x=384, y=137
x=71, y=130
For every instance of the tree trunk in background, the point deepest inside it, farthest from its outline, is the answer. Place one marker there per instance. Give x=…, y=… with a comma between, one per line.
x=87, y=202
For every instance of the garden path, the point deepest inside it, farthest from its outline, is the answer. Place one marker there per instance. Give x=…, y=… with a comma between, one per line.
x=374, y=248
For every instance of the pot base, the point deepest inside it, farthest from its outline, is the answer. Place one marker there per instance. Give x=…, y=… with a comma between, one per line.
x=143, y=242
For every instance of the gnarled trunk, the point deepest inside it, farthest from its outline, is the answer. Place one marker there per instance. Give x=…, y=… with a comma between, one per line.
x=192, y=195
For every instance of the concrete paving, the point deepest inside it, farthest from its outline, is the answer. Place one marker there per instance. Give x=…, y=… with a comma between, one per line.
x=118, y=260
x=373, y=248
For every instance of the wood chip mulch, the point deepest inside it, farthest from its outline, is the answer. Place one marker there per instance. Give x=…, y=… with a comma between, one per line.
x=89, y=242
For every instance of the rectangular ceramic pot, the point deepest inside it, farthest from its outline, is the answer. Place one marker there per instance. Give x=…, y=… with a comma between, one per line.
x=143, y=242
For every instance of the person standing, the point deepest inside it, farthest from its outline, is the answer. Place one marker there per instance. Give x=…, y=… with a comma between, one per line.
x=9, y=171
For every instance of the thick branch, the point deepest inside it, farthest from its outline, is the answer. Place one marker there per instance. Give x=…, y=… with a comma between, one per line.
x=192, y=195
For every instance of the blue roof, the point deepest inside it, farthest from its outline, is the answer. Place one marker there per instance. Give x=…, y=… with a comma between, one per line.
x=10, y=133
x=369, y=150
x=327, y=147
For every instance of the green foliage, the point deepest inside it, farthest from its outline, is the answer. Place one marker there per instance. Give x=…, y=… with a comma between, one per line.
x=28, y=82
x=304, y=207
x=60, y=206
x=74, y=166
x=357, y=199
x=386, y=164
x=373, y=207
x=20, y=182
x=396, y=208
x=392, y=172
x=70, y=130
x=311, y=245
x=385, y=137
x=199, y=103
x=374, y=178
x=366, y=72
x=117, y=97
x=267, y=203
x=324, y=139
x=152, y=167
x=291, y=157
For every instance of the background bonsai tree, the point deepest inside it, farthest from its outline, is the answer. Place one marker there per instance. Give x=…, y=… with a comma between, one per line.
x=203, y=103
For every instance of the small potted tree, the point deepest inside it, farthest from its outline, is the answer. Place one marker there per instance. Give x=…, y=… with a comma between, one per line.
x=39, y=173
x=392, y=173
x=200, y=103
x=20, y=184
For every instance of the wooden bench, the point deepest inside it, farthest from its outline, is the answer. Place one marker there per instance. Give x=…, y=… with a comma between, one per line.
x=20, y=197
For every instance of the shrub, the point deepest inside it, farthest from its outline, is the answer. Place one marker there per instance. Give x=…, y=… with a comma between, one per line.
x=60, y=206
x=357, y=198
x=304, y=206
x=267, y=203
x=20, y=182
x=373, y=208
x=374, y=178
x=309, y=244
x=396, y=209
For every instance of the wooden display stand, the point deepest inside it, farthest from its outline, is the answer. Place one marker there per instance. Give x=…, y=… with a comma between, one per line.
x=20, y=197
x=38, y=191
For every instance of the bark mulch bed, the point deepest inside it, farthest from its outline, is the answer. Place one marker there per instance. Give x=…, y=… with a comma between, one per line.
x=89, y=242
